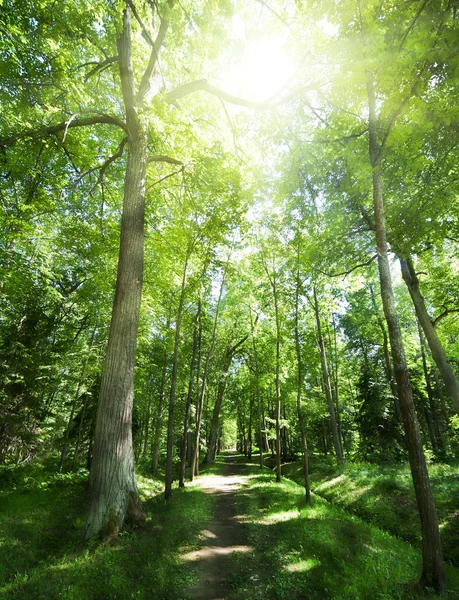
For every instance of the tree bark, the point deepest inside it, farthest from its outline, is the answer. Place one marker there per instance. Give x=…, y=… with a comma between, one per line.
x=170, y=421
x=432, y=558
x=436, y=347
x=326, y=380
x=113, y=487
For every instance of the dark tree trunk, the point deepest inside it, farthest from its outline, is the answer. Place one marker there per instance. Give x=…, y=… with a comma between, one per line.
x=257, y=390
x=432, y=558
x=436, y=348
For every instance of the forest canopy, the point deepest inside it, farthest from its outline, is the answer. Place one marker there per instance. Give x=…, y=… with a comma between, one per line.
x=228, y=224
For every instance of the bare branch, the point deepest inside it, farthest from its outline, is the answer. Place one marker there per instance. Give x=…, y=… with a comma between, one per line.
x=344, y=273
x=203, y=85
x=166, y=177
x=98, y=119
x=100, y=66
x=164, y=158
x=444, y=314
x=413, y=23
x=277, y=15
x=145, y=33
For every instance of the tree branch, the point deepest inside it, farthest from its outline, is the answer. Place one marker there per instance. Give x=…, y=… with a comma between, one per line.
x=101, y=66
x=164, y=158
x=344, y=273
x=98, y=119
x=444, y=314
x=203, y=85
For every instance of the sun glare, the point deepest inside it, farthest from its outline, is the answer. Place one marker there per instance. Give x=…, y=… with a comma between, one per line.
x=262, y=69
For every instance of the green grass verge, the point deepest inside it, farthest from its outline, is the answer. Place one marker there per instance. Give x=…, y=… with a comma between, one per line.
x=42, y=554
x=384, y=496
x=320, y=551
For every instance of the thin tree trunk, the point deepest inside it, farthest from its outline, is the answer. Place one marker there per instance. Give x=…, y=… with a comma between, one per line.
x=183, y=447
x=257, y=389
x=170, y=422
x=326, y=380
x=159, y=419
x=431, y=410
x=273, y=282
x=194, y=462
x=387, y=360
x=299, y=383
x=436, y=347
x=432, y=558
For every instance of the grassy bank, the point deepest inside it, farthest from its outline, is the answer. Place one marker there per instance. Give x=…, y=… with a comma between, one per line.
x=320, y=552
x=384, y=496
x=42, y=554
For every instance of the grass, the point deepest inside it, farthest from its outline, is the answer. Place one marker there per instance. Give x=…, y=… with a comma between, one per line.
x=320, y=551
x=299, y=552
x=42, y=554
x=384, y=496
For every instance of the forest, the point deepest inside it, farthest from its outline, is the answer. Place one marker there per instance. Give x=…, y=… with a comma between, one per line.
x=229, y=299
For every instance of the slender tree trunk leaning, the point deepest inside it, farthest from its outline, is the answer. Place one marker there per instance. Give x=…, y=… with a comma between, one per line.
x=114, y=493
x=300, y=377
x=436, y=348
x=327, y=383
x=432, y=558
x=194, y=461
x=183, y=445
x=170, y=421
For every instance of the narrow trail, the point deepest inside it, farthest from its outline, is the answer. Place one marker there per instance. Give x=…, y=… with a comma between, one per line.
x=223, y=537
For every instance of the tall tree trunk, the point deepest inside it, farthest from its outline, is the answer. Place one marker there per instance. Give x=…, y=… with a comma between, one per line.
x=183, y=446
x=299, y=384
x=387, y=360
x=170, y=421
x=257, y=389
x=326, y=380
x=436, y=347
x=273, y=282
x=432, y=558
x=113, y=487
x=194, y=462
x=431, y=409
x=159, y=417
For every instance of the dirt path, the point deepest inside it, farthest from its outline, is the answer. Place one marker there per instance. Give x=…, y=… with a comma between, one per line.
x=223, y=537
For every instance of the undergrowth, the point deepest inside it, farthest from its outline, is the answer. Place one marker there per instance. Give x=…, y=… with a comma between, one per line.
x=384, y=496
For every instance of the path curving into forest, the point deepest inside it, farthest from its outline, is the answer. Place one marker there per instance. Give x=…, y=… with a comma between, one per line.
x=222, y=538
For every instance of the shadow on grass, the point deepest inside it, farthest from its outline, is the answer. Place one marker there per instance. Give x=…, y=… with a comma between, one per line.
x=44, y=557
x=317, y=552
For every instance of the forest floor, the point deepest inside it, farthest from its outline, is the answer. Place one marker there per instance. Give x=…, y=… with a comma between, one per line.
x=234, y=534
